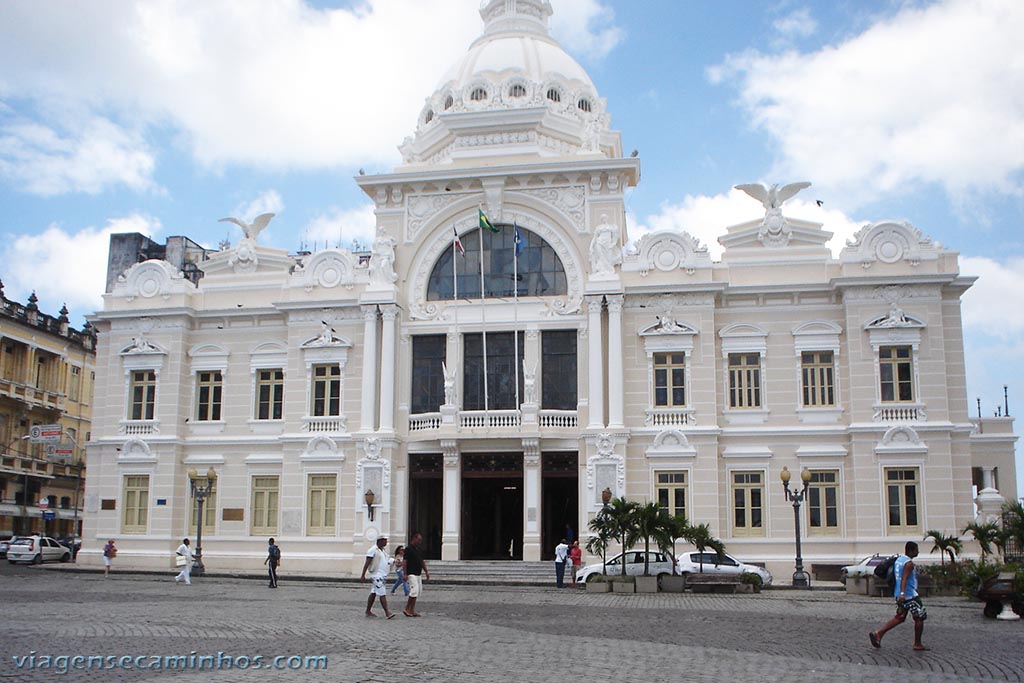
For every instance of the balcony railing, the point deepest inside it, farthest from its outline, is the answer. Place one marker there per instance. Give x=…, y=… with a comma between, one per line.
x=424, y=421
x=899, y=412
x=334, y=424
x=670, y=417
x=139, y=427
x=559, y=419
x=470, y=419
x=32, y=395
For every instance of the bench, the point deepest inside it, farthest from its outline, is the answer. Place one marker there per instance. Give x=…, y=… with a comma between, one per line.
x=825, y=571
x=713, y=583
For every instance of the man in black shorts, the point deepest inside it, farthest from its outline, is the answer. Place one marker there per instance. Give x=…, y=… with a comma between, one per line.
x=414, y=566
x=907, y=599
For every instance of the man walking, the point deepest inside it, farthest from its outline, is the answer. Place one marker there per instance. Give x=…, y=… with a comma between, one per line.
x=414, y=566
x=561, y=553
x=907, y=599
x=185, y=550
x=377, y=564
x=273, y=561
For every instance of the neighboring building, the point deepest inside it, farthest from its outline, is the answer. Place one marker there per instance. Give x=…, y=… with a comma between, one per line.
x=47, y=371
x=129, y=248
x=309, y=382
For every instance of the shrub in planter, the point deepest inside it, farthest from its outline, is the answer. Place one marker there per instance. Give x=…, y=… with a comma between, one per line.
x=647, y=584
x=753, y=580
x=599, y=584
x=622, y=584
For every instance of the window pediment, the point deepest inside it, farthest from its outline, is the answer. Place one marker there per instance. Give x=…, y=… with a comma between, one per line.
x=743, y=337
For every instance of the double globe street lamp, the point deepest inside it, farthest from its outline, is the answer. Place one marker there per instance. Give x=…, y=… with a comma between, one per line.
x=801, y=579
x=202, y=488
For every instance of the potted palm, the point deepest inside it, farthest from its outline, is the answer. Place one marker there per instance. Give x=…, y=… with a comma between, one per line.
x=675, y=528
x=622, y=527
x=650, y=522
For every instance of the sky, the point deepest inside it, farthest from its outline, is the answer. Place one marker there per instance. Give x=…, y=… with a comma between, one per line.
x=162, y=117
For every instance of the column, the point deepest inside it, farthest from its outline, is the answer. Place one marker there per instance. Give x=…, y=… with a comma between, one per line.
x=387, y=368
x=616, y=379
x=531, y=500
x=595, y=360
x=368, y=409
x=452, y=499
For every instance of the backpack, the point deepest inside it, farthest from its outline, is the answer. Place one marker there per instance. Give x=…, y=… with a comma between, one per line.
x=886, y=569
x=275, y=553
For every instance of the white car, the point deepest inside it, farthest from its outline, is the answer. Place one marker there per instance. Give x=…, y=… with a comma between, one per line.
x=690, y=562
x=658, y=564
x=37, y=549
x=865, y=567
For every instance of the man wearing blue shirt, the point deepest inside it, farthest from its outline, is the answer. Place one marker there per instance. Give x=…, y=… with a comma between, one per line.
x=907, y=599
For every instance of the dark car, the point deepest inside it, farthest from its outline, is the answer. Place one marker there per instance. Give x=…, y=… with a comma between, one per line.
x=72, y=543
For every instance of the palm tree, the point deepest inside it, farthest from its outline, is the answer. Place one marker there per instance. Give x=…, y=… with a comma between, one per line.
x=598, y=543
x=945, y=544
x=676, y=527
x=622, y=525
x=651, y=522
x=1012, y=536
x=702, y=539
x=986, y=535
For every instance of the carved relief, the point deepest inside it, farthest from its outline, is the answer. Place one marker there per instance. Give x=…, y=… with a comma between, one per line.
x=151, y=278
x=667, y=251
x=327, y=269
x=888, y=242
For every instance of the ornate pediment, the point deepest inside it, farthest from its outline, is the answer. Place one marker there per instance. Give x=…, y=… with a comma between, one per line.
x=151, y=278
x=889, y=242
x=667, y=251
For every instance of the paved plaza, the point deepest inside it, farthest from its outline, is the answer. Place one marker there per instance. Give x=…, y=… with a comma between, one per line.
x=479, y=634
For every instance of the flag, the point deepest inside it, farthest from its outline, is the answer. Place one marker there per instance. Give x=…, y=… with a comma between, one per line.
x=485, y=222
x=458, y=243
x=517, y=239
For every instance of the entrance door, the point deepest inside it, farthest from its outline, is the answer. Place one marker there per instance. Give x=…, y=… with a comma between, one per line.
x=492, y=507
x=560, y=500
x=426, y=501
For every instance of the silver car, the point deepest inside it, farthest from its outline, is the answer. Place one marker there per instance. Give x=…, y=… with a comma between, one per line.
x=37, y=549
x=658, y=563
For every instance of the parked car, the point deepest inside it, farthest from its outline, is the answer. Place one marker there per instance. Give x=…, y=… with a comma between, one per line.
x=865, y=567
x=659, y=563
x=72, y=543
x=5, y=543
x=37, y=549
x=690, y=562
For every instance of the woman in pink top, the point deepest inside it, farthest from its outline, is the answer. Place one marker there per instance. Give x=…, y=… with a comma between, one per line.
x=576, y=557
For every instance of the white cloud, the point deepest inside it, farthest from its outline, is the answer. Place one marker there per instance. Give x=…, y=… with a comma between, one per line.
x=340, y=227
x=989, y=305
x=797, y=24
x=930, y=95
x=288, y=86
x=42, y=160
x=707, y=217
x=64, y=266
x=269, y=201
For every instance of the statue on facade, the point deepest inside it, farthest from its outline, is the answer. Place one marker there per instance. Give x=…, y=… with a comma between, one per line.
x=896, y=317
x=382, y=260
x=529, y=384
x=605, y=252
x=666, y=323
x=449, y=385
x=775, y=230
x=251, y=230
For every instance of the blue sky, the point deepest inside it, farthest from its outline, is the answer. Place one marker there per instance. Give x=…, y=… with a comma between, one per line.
x=162, y=117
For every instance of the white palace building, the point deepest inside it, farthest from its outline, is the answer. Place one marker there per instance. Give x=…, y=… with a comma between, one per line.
x=338, y=397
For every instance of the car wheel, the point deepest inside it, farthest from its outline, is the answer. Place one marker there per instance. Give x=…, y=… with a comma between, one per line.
x=38, y=559
x=66, y=557
x=12, y=561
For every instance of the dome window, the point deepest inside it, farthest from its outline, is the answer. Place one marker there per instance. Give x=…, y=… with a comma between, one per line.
x=517, y=90
x=583, y=105
x=448, y=102
x=554, y=95
x=429, y=116
x=478, y=95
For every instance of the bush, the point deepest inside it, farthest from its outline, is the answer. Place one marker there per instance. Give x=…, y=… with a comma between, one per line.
x=751, y=578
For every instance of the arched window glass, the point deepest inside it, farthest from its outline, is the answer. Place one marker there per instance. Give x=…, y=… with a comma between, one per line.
x=448, y=102
x=539, y=270
x=584, y=105
x=554, y=95
x=517, y=90
x=478, y=95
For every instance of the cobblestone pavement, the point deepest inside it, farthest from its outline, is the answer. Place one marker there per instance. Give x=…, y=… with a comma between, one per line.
x=480, y=635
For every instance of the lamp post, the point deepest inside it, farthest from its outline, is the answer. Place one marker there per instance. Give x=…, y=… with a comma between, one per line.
x=200, y=492
x=801, y=579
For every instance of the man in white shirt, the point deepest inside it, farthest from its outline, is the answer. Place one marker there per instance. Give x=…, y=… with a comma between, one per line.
x=561, y=553
x=377, y=564
x=185, y=550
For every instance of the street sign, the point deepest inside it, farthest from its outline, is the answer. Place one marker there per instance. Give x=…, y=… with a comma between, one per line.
x=49, y=514
x=45, y=434
x=43, y=503
x=59, y=452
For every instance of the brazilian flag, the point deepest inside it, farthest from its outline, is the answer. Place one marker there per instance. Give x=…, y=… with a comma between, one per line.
x=485, y=222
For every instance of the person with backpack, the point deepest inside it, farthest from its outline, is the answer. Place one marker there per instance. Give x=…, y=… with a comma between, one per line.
x=907, y=599
x=378, y=564
x=273, y=561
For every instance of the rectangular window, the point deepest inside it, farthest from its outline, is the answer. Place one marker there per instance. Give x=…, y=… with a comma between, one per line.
x=75, y=388
x=323, y=491
x=669, y=380
x=428, y=356
x=744, y=380
x=818, y=371
x=670, y=492
x=269, y=394
x=264, y=506
x=748, y=503
x=502, y=371
x=210, y=386
x=209, y=509
x=143, y=394
x=135, y=506
x=326, y=390
x=558, y=370
x=902, y=487
x=823, y=503
x=896, y=371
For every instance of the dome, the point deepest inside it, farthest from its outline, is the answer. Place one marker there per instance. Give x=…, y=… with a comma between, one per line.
x=518, y=77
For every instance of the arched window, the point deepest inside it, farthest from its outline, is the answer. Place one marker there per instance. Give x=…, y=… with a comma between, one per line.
x=429, y=117
x=583, y=105
x=538, y=269
x=448, y=102
x=478, y=95
x=554, y=95
x=517, y=90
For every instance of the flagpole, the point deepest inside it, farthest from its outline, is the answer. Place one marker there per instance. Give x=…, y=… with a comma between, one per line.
x=455, y=299
x=515, y=306
x=483, y=313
